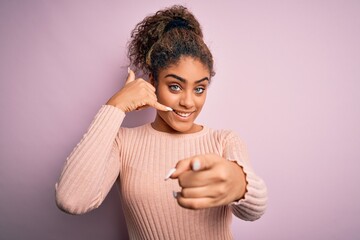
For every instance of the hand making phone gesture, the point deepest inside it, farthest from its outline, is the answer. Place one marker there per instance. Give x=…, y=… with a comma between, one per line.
x=136, y=94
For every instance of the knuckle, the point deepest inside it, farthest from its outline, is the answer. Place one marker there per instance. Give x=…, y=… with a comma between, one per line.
x=221, y=191
x=139, y=82
x=181, y=163
x=222, y=175
x=220, y=201
x=142, y=90
x=189, y=204
x=143, y=94
x=195, y=205
x=184, y=193
x=143, y=82
x=181, y=181
x=185, y=203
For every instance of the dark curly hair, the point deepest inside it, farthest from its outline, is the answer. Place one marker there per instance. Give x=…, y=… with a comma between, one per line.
x=161, y=39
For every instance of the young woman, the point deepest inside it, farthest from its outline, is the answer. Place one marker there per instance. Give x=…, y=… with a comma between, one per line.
x=207, y=173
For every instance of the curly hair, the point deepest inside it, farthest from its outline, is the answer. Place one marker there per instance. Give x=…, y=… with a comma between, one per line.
x=161, y=39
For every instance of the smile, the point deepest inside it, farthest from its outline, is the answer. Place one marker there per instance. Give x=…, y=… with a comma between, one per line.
x=183, y=114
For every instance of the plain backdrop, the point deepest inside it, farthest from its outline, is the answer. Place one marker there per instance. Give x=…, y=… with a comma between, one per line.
x=288, y=82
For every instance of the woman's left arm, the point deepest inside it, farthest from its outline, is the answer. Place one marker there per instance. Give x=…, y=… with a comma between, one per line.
x=252, y=204
x=211, y=180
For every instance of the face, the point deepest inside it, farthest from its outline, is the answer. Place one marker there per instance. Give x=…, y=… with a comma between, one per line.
x=182, y=87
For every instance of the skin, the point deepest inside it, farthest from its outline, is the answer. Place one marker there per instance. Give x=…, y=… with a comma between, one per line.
x=206, y=180
x=183, y=87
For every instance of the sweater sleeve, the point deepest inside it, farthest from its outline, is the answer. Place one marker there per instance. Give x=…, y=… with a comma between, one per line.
x=253, y=205
x=93, y=166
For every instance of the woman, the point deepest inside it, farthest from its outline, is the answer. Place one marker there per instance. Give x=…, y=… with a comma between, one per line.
x=209, y=168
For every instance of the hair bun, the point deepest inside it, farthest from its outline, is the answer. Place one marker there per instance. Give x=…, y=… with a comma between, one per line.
x=177, y=22
x=163, y=37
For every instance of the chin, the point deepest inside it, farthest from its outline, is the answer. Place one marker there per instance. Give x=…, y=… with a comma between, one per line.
x=182, y=129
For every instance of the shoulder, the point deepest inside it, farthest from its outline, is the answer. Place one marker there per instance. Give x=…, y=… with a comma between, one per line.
x=228, y=138
x=224, y=134
x=140, y=130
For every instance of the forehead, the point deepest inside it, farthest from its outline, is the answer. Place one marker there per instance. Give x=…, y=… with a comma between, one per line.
x=188, y=68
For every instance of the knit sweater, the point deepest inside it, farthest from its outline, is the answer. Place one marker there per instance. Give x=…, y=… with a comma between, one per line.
x=139, y=158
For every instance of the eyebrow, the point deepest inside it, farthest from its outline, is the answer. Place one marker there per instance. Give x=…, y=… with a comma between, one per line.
x=184, y=80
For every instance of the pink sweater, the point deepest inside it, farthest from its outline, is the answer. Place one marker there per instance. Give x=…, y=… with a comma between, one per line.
x=139, y=158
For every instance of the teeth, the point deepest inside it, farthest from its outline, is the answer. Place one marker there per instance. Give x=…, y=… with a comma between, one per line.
x=183, y=114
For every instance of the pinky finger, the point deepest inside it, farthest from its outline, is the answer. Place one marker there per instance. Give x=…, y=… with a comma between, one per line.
x=194, y=203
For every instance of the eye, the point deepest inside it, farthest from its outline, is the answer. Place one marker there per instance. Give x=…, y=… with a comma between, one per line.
x=199, y=90
x=174, y=88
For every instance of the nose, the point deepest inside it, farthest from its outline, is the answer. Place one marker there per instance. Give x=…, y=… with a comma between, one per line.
x=187, y=99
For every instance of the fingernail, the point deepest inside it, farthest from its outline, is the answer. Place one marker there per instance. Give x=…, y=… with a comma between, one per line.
x=196, y=165
x=128, y=70
x=175, y=194
x=168, y=175
x=169, y=109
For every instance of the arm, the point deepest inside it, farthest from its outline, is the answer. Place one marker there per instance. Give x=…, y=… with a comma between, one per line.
x=253, y=203
x=93, y=166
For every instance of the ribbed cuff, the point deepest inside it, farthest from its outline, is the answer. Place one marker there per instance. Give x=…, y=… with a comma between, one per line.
x=253, y=204
x=113, y=110
x=112, y=116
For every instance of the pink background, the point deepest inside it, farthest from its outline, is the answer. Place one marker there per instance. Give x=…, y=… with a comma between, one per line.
x=288, y=81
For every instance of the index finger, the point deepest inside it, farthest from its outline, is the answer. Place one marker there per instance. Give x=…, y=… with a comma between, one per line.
x=161, y=107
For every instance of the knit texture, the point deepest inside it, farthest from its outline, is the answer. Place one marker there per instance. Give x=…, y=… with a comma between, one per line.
x=139, y=158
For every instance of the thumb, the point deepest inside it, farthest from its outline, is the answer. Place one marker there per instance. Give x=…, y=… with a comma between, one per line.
x=196, y=163
x=131, y=76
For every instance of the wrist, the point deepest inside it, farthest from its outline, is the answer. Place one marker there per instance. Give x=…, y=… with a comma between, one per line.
x=241, y=182
x=119, y=106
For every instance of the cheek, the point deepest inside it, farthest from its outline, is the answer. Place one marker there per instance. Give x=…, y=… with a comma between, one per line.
x=201, y=101
x=165, y=97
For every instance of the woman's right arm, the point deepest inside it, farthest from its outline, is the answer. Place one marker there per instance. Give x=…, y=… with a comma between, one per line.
x=93, y=165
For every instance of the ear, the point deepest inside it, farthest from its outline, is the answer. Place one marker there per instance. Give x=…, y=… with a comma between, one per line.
x=152, y=79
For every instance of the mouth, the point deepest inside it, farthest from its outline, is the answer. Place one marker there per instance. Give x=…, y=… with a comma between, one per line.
x=183, y=114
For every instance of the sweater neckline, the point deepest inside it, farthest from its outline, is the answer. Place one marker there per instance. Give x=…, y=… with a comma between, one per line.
x=153, y=131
